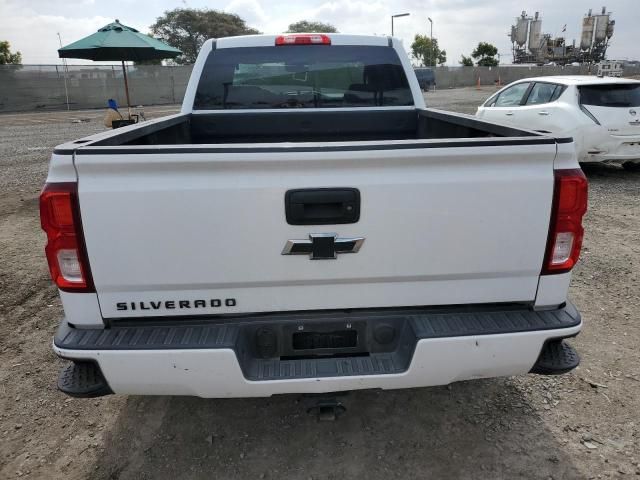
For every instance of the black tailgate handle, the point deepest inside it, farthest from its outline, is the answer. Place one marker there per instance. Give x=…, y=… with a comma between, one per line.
x=322, y=206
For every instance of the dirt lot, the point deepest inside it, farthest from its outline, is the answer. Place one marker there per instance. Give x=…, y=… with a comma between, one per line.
x=581, y=425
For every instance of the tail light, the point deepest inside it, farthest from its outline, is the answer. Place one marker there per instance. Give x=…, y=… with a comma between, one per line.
x=66, y=252
x=565, y=231
x=303, y=39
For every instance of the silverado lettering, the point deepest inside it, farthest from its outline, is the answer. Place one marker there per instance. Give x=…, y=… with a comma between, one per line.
x=173, y=304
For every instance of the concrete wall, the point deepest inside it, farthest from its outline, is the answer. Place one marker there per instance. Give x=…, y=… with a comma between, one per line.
x=452, y=77
x=42, y=87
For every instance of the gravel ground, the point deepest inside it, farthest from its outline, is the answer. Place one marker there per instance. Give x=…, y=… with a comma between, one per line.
x=581, y=425
x=463, y=100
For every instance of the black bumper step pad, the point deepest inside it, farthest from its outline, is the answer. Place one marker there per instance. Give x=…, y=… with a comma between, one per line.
x=83, y=380
x=557, y=357
x=149, y=337
x=457, y=324
x=374, y=364
x=427, y=323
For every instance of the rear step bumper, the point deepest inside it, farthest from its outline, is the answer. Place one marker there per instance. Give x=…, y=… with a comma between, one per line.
x=255, y=356
x=83, y=380
x=557, y=357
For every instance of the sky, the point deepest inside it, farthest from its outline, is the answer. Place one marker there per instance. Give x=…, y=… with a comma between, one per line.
x=31, y=26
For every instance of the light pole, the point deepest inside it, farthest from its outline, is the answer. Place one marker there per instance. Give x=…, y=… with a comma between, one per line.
x=432, y=63
x=395, y=16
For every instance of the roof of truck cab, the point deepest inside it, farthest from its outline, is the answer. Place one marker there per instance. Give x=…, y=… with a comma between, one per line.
x=270, y=40
x=579, y=80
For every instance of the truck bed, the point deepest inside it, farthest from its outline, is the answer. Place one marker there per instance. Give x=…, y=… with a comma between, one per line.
x=235, y=127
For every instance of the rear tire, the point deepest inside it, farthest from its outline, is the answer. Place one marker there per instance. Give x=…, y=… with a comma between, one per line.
x=631, y=166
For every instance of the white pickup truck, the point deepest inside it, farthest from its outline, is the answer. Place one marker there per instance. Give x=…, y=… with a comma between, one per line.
x=305, y=224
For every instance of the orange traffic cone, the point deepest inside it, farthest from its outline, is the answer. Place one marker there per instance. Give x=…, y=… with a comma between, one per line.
x=478, y=84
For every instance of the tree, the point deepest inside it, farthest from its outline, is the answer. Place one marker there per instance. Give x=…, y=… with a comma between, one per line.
x=426, y=53
x=305, y=26
x=466, y=61
x=188, y=28
x=155, y=61
x=485, y=55
x=8, y=58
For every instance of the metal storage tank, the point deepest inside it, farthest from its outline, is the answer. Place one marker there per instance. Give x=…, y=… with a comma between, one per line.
x=535, y=33
x=601, y=26
x=587, y=32
x=610, y=28
x=522, y=25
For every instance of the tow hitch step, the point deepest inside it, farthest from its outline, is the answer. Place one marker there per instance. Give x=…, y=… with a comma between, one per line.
x=556, y=358
x=83, y=380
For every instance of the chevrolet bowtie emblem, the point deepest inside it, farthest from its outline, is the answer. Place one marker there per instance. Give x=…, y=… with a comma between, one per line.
x=322, y=246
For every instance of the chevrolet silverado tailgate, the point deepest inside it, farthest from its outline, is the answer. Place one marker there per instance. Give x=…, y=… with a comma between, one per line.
x=188, y=231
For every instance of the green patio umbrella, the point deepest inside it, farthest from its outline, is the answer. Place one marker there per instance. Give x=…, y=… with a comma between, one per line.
x=117, y=42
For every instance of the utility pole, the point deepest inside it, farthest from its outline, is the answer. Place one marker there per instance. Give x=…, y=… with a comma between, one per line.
x=65, y=70
x=432, y=60
x=395, y=16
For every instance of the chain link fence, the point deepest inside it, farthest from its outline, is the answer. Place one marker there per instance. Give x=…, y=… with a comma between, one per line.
x=55, y=87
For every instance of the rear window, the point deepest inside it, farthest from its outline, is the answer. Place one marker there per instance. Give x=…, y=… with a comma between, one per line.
x=612, y=95
x=302, y=76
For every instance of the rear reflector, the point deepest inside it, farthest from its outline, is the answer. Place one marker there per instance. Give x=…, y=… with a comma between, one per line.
x=66, y=252
x=565, y=231
x=303, y=39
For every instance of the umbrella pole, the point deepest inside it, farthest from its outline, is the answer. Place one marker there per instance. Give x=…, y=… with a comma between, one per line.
x=126, y=88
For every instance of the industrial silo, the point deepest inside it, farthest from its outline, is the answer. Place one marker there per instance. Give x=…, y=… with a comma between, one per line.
x=610, y=28
x=588, y=24
x=512, y=35
x=535, y=33
x=522, y=26
x=602, y=24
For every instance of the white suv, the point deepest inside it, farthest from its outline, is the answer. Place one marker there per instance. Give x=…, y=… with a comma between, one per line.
x=601, y=114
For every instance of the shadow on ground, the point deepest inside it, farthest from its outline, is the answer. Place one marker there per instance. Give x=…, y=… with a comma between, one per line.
x=609, y=171
x=480, y=429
